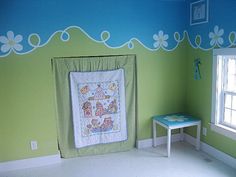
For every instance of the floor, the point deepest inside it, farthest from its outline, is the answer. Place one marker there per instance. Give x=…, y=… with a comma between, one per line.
x=184, y=161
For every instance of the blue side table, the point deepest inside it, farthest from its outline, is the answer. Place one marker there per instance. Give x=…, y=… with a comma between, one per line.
x=175, y=121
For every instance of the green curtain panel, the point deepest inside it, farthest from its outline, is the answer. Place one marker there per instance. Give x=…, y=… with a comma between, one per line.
x=61, y=67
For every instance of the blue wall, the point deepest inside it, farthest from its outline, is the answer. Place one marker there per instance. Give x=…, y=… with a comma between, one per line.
x=123, y=19
x=221, y=14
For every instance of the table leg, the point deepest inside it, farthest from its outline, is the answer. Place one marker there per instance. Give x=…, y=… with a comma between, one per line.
x=168, y=142
x=154, y=131
x=198, y=136
x=182, y=134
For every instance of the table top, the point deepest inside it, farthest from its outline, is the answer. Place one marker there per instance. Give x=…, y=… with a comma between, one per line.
x=175, y=119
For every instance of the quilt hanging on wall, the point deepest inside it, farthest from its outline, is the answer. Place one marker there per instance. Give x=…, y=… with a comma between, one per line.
x=98, y=107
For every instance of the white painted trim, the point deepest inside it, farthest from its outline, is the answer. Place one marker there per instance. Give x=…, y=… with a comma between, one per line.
x=227, y=159
x=30, y=163
x=226, y=131
x=224, y=51
x=191, y=140
x=53, y=159
x=218, y=93
x=214, y=111
x=160, y=140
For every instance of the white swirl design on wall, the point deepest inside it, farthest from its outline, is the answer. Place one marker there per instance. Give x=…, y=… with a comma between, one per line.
x=105, y=35
x=177, y=37
x=65, y=36
x=198, y=41
x=32, y=37
x=11, y=43
x=217, y=38
x=232, y=38
x=34, y=41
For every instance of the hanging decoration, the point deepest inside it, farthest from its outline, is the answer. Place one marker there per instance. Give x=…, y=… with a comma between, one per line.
x=98, y=107
x=197, y=74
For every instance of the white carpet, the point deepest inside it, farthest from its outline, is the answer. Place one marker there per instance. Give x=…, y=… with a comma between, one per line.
x=185, y=161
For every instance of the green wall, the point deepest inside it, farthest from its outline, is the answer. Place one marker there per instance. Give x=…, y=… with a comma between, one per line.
x=199, y=100
x=165, y=85
x=27, y=104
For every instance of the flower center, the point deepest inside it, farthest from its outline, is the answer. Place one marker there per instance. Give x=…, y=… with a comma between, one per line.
x=216, y=37
x=11, y=42
x=161, y=40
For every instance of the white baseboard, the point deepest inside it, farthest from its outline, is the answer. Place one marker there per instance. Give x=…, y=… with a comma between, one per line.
x=53, y=159
x=191, y=140
x=227, y=159
x=160, y=140
x=30, y=163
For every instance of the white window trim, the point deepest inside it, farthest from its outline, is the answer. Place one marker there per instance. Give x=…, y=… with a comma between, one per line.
x=215, y=125
x=226, y=131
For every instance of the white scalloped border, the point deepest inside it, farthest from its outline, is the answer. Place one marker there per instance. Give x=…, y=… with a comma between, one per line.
x=105, y=36
x=103, y=40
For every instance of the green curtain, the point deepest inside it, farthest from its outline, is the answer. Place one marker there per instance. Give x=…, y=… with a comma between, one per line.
x=61, y=67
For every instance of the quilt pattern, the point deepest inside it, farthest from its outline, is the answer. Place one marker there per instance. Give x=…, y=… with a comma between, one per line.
x=98, y=106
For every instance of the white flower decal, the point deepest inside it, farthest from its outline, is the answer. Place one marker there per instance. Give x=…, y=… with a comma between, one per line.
x=175, y=118
x=11, y=42
x=215, y=36
x=160, y=40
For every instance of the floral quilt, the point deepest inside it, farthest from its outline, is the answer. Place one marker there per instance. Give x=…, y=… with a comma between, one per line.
x=98, y=107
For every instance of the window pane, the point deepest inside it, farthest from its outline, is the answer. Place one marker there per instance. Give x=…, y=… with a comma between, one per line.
x=234, y=118
x=228, y=101
x=234, y=103
x=227, y=115
x=231, y=75
x=231, y=65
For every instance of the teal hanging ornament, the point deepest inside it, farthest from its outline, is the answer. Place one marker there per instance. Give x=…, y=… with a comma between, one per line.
x=197, y=75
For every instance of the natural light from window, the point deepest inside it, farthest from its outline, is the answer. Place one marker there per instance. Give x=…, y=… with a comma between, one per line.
x=224, y=92
x=230, y=92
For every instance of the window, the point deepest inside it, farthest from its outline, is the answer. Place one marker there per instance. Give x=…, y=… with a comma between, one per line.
x=224, y=92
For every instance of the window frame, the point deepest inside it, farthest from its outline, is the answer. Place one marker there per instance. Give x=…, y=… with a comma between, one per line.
x=218, y=98
x=231, y=94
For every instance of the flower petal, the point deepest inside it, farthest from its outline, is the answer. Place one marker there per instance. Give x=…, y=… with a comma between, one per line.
x=221, y=32
x=5, y=48
x=160, y=34
x=213, y=41
x=3, y=39
x=10, y=35
x=216, y=29
x=220, y=40
x=18, y=38
x=165, y=37
x=164, y=43
x=156, y=44
x=211, y=35
x=155, y=37
x=18, y=47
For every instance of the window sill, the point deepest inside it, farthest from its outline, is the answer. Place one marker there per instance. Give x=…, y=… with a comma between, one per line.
x=226, y=131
